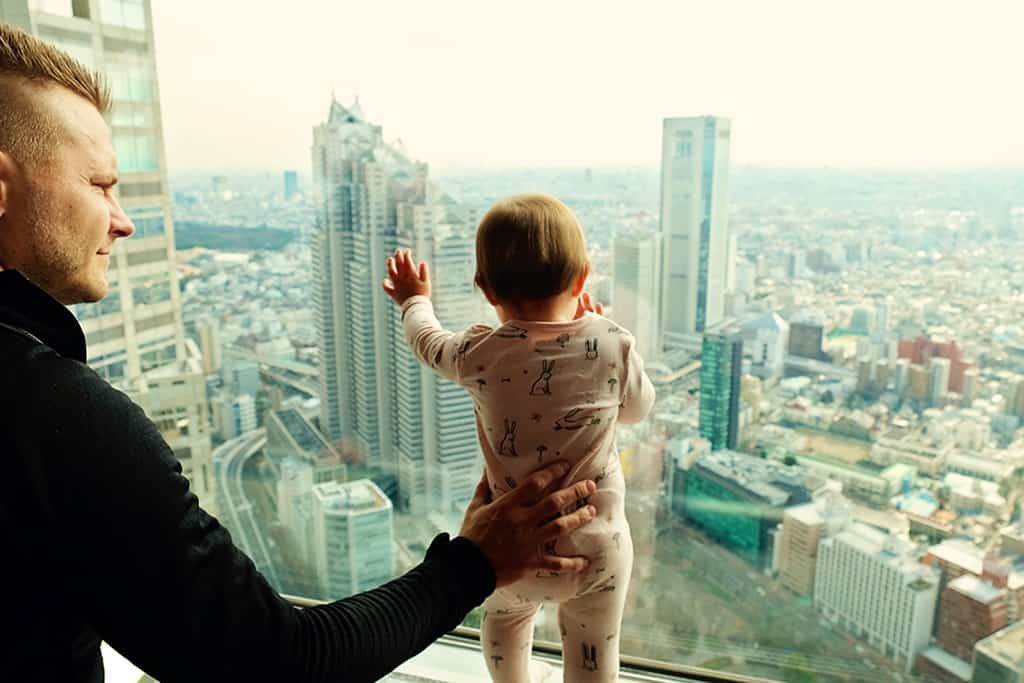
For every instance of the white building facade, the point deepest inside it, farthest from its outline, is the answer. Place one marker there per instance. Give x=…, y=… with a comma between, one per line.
x=872, y=584
x=353, y=537
x=694, y=223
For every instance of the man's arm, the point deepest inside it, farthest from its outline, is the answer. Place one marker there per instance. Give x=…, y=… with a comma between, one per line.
x=161, y=581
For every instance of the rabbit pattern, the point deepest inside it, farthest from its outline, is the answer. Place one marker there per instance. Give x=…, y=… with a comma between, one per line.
x=547, y=391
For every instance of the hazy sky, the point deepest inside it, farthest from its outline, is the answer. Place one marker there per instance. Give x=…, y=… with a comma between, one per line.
x=896, y=83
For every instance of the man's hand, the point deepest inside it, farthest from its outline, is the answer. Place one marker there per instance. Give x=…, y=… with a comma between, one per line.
x=406, y=278
x=512, y=532
x=584, y=304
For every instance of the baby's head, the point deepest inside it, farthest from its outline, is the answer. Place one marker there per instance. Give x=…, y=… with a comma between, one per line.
x=530, y=249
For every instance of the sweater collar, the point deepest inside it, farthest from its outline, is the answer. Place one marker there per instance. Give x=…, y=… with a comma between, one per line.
x=24, y=305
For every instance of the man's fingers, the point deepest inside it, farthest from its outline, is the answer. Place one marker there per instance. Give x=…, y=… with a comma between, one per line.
x=568, y=565
x=392, y=269
x=389, y=287
x=482, y=494
x=599, y=309
x=565, y=525
x=537, y=484
x=553, y=505
x=425, y=272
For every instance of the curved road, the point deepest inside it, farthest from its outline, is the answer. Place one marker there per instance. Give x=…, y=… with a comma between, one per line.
x=235, y=509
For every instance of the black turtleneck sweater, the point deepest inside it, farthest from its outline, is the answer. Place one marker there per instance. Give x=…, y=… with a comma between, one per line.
x=102, y=539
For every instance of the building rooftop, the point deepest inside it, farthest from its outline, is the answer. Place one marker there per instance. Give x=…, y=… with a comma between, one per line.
x=355, y=496
x=948, y=662
x=301, y=431
x=768, y=321
x=976, y=589
x=961, y=553
x=892, y=549
x=769, y=481
x=1006, y=646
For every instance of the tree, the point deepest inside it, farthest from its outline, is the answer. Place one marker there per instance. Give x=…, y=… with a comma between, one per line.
x=789, y=461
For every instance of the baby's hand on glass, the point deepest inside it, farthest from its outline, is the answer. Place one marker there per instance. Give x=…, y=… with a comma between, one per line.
x=406, y=278
x=584, y=304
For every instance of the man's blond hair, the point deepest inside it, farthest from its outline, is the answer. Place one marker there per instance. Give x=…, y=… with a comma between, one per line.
x=27, y=131
x=529, y=247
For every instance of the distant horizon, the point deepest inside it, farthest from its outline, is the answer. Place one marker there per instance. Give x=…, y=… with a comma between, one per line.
x=251, y=170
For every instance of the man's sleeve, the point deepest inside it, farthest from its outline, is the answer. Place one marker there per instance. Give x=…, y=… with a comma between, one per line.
x=162, y=582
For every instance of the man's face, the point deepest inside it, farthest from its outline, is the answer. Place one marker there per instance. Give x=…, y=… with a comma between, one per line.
x=60, y=217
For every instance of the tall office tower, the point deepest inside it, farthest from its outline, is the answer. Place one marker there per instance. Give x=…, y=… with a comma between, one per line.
x=694, y=223
x=637, y=286
x=291, y=184
x=806, y=340
x=938, y=380
x=902, y=373
x=295, y=513
x=796, y=264
x=883, y=319
x=863, y=319
x=210, y=345
x=353, y=236
x=871, y=582
x=234, y=415
x=1014, y=393
x=732, y=256
x=721, y=368
x=376, y=400
x=439, y=461
x=138, y=328
x=353, y=535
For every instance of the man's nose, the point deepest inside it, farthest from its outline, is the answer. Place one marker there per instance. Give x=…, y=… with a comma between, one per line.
x=120, y=224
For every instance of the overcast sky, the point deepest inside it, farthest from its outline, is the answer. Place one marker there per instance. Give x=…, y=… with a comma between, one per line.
x=896, y=83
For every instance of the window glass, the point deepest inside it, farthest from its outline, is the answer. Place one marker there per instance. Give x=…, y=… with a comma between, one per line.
x=827, y=303
x=126, y=13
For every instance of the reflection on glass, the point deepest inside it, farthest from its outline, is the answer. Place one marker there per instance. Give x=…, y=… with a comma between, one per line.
x=126, y=13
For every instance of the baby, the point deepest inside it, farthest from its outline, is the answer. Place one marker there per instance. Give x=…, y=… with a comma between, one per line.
x=550, y=383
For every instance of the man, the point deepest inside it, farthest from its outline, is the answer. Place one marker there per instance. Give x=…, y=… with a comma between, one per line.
x=101, y=537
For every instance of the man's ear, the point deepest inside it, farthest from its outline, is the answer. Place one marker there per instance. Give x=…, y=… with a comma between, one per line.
x=7, y=170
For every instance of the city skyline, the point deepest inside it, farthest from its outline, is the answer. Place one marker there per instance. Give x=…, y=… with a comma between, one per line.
x=796, y=79
x=825, y=499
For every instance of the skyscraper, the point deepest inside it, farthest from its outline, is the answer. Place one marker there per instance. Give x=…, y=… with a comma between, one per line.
x=376, y=399
x=353, y=536
x=938, y=380
x=636, y=289
x=136, y=335
x=721, y=367
x=291, y=184
x=694, y=223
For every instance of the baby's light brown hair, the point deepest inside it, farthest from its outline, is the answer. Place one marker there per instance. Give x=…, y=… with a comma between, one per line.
x=529, y=247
